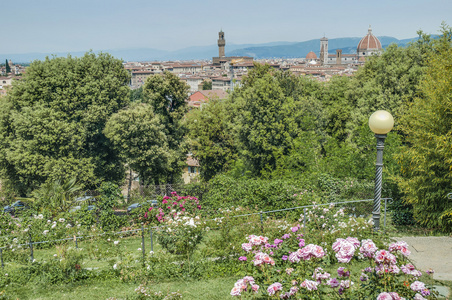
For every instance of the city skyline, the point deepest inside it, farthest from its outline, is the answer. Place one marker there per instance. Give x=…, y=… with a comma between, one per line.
x=59, y=26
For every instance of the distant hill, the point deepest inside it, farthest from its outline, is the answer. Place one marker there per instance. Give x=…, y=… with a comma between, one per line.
x=265, y=50
x=348, y=46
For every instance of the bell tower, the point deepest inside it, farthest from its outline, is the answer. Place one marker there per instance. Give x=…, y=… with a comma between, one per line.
x=221, y=43
x=324, y=50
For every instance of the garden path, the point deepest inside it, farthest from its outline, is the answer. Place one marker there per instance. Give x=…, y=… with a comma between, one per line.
x=433, y=252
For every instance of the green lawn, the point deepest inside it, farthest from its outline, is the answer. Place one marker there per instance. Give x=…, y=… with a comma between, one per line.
x=209, y=289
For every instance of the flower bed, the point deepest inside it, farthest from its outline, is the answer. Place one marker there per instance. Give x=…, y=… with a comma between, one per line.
x=290, y=269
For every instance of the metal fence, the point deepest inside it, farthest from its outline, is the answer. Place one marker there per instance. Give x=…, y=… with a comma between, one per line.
x=356, y=208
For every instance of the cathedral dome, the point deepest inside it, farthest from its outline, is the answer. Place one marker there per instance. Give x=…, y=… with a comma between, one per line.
x=369, y=42
x=311, y=55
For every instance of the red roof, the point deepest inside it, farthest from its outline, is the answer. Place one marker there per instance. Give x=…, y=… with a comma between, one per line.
x=369, y=42
x=206, y=95
x=311, y=55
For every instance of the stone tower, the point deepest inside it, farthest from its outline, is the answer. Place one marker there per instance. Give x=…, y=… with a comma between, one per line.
x=338, y=57
x=324, y=51
x=221, y=43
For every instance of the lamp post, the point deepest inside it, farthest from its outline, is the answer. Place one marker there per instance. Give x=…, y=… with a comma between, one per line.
x=380, y=122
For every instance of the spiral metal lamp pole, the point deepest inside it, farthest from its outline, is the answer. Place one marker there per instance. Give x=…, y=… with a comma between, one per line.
x=380, y=122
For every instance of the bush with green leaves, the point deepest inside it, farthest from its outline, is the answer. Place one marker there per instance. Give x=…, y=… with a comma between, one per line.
x=66, y=266
x=256, y=193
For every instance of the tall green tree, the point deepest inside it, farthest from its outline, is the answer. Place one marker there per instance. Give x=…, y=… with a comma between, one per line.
x=52, y=121
x=166, y=94
x=8, y=68
x=426, y=159
x=211, y=137
x=389, y=82
x=138, y=135
x=268, y=118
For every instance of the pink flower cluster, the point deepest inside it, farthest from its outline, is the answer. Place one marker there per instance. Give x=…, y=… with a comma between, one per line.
x=273, y=288
x=385, y=257
x=319, y=276
x=309, y=285
x=263, y=258
x=174, y=205
x=293, y=290
x=419, y=286
x=345, y=249
x=389, y=296
x=400, y=246
x=409, y=269
x=242, y=285
x=257, y=240
x=306, y=253
x=368, y=248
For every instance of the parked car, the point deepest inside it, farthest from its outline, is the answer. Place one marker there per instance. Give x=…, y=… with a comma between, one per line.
x=78, y=207
x=150, y=203
x=83, y=199
x=16, y=206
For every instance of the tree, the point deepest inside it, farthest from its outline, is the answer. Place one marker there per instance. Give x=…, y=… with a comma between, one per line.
x=426, y=159
x=57, y=196
x=52, y=121
x=266, y=122
x=138, y=135
x=211, y=137
x=136, y=95
x=8, y=68
x=207, y=85
x=166, y=94
x=388, y=82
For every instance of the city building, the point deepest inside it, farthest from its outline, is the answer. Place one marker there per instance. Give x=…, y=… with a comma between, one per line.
x=222, y=59
x=369, y=45
x=200, y=97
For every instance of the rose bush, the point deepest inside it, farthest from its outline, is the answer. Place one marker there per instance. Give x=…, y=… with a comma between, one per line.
x=180, y=228
x=289, y=268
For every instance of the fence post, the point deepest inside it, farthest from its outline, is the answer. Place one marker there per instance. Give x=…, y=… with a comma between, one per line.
x=152, y=241
x=75, y=239
x=142, y=241
x=31, y=243
x=1, y=257
x=304, y=220
x=262, y=223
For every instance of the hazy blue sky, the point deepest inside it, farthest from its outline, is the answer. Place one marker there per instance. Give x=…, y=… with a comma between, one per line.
x=79, y=25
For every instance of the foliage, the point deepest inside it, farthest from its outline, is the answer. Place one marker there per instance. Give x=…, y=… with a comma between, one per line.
x=51, y=123
x=166, y=94
x=138, y=136
x=256, y=193
x=181, y=234
x=8, y=68
x=65, y=267
x=389, y=81
x=109, y=197
x=207, y=85
x=211, y=137
x=136, y=95
x=426, y=158
x=56, y=197
x=180, y=227
x=266, y=124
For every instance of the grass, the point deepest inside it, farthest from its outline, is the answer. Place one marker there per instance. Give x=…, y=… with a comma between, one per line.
x=208, y=289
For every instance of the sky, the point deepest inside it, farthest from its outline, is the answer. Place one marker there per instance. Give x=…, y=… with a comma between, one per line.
x=54, y=26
